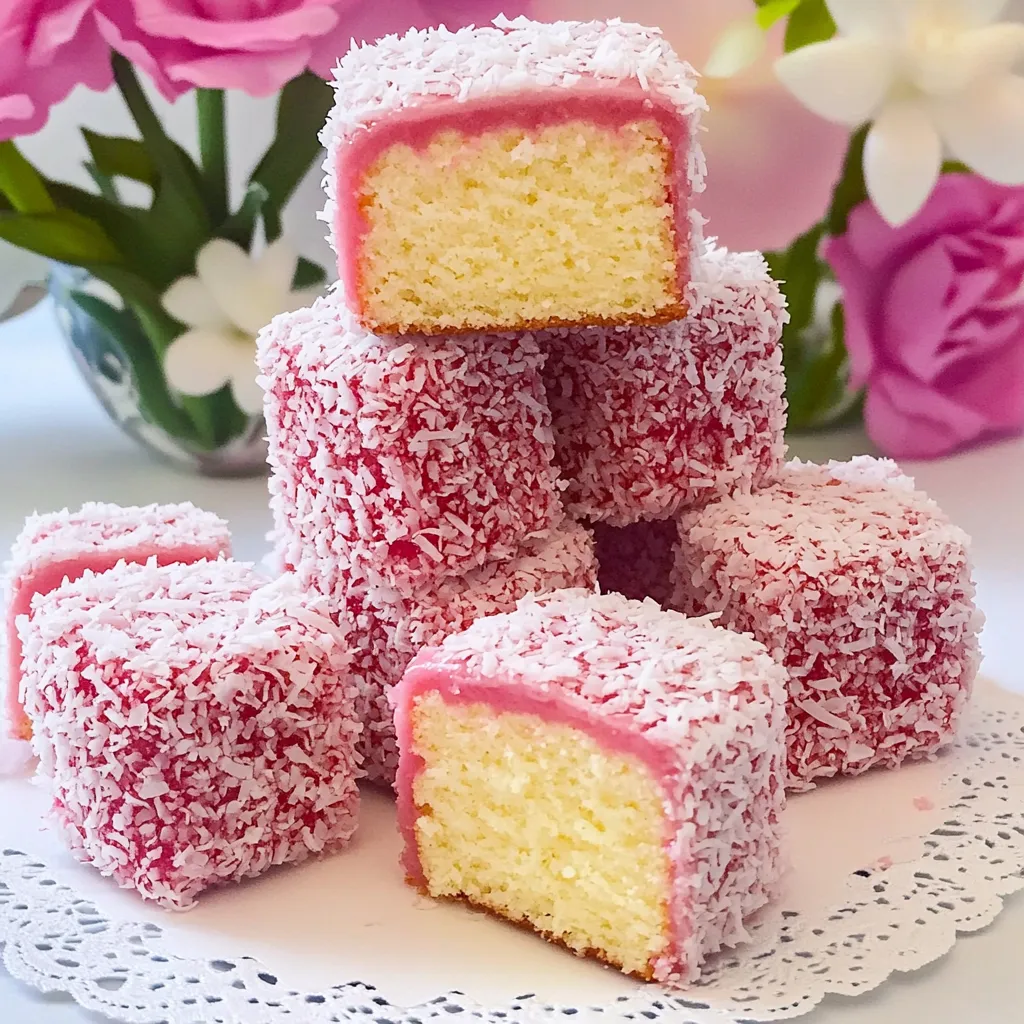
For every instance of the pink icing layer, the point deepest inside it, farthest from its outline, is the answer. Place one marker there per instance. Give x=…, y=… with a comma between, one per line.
x=608, y=104
x=616, y=733
x=50, y=576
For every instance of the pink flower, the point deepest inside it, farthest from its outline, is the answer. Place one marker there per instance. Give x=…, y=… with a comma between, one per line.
x=771, y=163
x=935, y=317
x=258, y=45
x=47, y=47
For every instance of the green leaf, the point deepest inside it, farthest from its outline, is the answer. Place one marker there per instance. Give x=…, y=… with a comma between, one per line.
x=814, y=355
x=121, y=158
x=203, y=419
x=155, y=400
x=799, y=271
x=205, y=422
x=301, y=111
x=224, y=420
x=955, y=167
x=850, y=191
x=162, y=243
x=308, y=274
x=177, y=172
x=159, y=326
x=22, y=183
x=62, y=235
x=819, y=395
x=771, y=11
x=241, y=225
x=809, y=23
x=118, y=221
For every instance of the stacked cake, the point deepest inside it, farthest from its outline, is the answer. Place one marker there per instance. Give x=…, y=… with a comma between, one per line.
x=545, y=569
x=535, y=372
x=504, y=361
x=531, y=342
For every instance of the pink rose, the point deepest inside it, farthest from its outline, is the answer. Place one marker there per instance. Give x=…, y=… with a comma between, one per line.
x=47, y=47
x=258, y=45
x=935, y=317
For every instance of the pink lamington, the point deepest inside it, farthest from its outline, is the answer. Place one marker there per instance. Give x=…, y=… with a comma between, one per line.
x=602, y=770
x=390, y=629
x=196, y=725
x=514, y=176
x=63, y=545
x=401, y=462
x=637, y=560
x=652, y=420
x=862, y=588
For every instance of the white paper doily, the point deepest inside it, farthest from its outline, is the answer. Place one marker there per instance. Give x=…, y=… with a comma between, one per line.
x=887, y=870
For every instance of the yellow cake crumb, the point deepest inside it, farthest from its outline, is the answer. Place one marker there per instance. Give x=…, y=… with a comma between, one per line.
x=570, y=223
x=539, y=823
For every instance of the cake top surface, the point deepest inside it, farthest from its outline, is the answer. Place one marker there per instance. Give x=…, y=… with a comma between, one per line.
x=506, y=57
x=623, y=658
x=865, y=508
x=169, y=621
x=100, y=527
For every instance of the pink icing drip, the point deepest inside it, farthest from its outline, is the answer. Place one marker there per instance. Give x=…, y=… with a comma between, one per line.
x=51, y=576
x=616, y=733
x=608, y=104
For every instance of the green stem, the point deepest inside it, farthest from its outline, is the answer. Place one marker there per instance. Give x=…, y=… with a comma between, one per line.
x=271, y=223
x=210, y=108
x=103, y=182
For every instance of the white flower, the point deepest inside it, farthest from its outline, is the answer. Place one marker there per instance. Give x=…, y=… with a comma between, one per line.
x=225, y=306
x=931, y=75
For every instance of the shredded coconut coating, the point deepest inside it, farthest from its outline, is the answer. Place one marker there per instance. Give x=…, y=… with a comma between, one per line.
x=706, y=704
x=390, y=629
x=400, y=462
x=195, y=725
x=400, y=72
x=649, y=421
x=637, y=560
x=98, y=527
x=63, y=544
x=861, y=587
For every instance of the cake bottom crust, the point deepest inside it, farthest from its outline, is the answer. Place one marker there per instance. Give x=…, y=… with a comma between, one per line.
x=524, y=924
x=667, y=315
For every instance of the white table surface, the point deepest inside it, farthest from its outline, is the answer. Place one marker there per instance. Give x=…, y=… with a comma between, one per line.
x=58, y=449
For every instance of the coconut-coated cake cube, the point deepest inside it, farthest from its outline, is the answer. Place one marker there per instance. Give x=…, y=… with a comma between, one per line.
x=514, y=175
x=649, y=420
x=62, y=545
x=389, y=629
x=399, y=462
x=606, y=772
x=861, y=587
x=195, y=725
